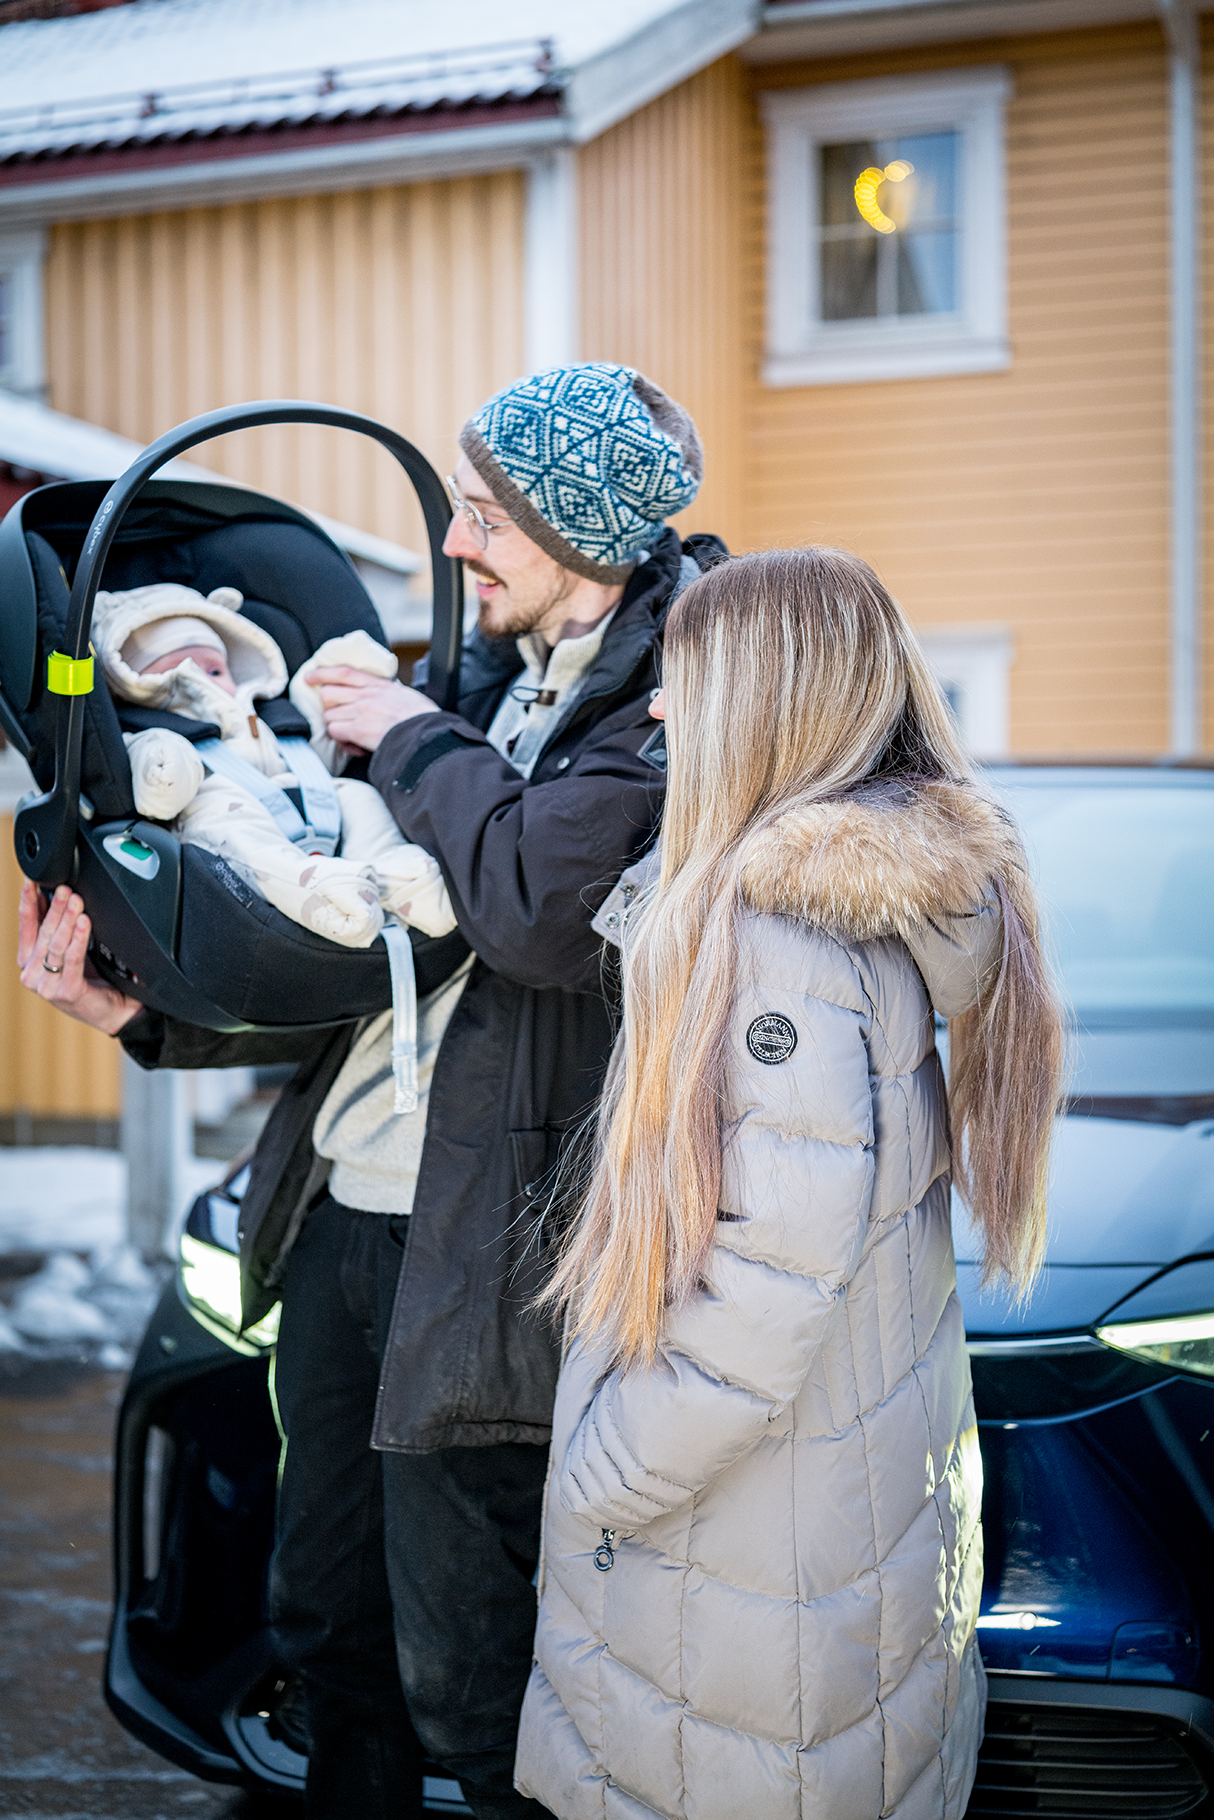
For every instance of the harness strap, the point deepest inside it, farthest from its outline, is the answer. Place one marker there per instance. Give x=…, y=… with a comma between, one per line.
x=404, y=1015
x=320, y=800
x=321, y=806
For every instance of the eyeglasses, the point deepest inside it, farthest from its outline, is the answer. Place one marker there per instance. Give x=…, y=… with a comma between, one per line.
x=479, y=526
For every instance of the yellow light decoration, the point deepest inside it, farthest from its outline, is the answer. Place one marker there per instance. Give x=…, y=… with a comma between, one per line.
x=867, y=185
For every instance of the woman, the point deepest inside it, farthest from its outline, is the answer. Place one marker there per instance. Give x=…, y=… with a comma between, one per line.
x=762, y=1543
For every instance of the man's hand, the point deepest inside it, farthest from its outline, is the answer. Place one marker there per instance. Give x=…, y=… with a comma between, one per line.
x=52, y=950
x=360, y=709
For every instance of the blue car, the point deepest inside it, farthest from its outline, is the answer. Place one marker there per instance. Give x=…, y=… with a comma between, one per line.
x=1095, y=1400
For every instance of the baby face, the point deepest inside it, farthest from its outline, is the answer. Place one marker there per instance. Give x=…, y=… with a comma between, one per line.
x=209, y=662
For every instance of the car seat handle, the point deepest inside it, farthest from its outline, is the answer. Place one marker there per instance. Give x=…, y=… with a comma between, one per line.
x=45, y=829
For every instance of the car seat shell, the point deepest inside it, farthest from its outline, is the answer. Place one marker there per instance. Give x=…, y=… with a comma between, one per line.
x=173, y=925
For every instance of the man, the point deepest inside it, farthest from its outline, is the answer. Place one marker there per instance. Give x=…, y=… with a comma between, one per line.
x=413, y=1380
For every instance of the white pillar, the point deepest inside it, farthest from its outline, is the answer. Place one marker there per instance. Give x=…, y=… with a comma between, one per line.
x=550, y=261
x=1183, y=28
x=157, y=1141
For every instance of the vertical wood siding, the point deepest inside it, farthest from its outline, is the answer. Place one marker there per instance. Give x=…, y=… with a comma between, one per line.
x=403, y=302
x=662, y=208
x=49, y=1066
x=1035, y=497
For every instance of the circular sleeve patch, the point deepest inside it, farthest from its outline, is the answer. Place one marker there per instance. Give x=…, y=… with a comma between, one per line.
x=771, y=1038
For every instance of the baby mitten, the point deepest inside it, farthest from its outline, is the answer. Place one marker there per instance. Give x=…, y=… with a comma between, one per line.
x=166, y=772
x=360, y=651
x=413, y=889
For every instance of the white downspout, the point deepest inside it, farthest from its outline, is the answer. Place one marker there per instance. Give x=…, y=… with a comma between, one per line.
x=1182, y=24
x=550, y=261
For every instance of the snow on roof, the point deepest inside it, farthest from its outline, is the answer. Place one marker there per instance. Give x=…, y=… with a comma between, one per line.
x=115, y=77
x=427, y=80
x=49, y=443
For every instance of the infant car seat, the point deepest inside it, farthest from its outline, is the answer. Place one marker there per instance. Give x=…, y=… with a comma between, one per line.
x=173, y=925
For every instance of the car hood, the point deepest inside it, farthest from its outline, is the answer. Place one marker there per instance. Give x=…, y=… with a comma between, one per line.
x=1129, y=1194
x=1126, y=1199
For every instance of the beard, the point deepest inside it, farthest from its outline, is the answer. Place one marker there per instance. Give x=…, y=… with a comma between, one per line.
x=514, y=617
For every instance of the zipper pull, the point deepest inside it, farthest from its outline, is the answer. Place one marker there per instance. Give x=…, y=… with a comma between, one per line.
x=604, y=1554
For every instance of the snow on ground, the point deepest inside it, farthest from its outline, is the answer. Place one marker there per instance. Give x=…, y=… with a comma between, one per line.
x=92, y=1293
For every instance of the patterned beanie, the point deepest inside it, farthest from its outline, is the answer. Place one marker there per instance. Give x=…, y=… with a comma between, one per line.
x=588, y=461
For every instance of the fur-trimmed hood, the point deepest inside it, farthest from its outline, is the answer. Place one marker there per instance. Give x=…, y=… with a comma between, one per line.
x=917, y=861
x=882, y=860
x=257, y=665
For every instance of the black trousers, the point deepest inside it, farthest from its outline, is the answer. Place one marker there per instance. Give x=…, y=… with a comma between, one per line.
x=401, y=1586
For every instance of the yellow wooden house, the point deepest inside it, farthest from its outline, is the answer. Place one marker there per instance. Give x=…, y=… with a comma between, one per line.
x=928, y=273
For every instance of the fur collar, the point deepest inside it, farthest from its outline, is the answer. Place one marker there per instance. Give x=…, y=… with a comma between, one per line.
x=882, y=860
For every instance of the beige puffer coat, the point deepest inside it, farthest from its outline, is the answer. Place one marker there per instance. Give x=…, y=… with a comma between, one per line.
x=780, y=1621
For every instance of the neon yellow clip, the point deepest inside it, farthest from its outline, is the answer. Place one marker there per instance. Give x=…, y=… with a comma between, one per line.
x=69, y=675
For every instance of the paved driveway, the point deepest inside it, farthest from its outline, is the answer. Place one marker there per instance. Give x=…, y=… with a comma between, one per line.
x=62, y=1755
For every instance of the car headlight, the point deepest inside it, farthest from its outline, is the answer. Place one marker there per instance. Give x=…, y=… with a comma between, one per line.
x=1184, y=1341
x=209, y=1281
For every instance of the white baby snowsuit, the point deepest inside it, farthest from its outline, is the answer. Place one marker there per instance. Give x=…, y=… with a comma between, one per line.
x=212, y=792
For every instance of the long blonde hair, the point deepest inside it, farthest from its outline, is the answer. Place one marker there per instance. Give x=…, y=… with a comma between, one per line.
x=791, y=677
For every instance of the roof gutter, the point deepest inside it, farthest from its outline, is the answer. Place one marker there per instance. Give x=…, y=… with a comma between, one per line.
x=819, y=28
x=361, y=164
x=798, y=12
x=1186, y=728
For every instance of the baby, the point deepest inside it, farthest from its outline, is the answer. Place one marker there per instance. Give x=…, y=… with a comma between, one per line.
x=328, y=855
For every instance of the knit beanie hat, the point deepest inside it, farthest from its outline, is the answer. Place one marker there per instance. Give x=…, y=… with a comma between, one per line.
x=588, y=461
x=160, y=636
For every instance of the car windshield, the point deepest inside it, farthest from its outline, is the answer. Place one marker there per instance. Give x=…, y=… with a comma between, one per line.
x=1127, y=879
x=1126, y=876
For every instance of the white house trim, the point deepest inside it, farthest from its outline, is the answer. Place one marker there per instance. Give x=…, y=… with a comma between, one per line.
x=802, y=349
x=972, y=664
x=1186, y=705
x=550, y=261
x=22, y=256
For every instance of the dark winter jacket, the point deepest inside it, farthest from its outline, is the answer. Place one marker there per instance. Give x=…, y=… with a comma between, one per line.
x=527, y=864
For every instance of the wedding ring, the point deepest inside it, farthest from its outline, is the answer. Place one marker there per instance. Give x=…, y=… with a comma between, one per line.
x=47, y=968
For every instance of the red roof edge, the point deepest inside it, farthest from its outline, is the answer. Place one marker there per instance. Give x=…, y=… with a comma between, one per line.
x=12, y=12
x=57, y=167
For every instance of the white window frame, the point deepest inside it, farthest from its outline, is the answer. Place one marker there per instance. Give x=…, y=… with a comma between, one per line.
x=804, y=350
x=22, y=257
x=973, y=665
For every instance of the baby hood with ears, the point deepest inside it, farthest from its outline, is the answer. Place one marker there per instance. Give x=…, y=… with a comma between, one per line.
x=255, y=661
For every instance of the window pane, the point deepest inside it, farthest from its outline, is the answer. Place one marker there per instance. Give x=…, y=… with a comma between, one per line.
x=926, y=274
x=849, y=278
x=841, y=165
x=888, y=242
x=929, y=192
